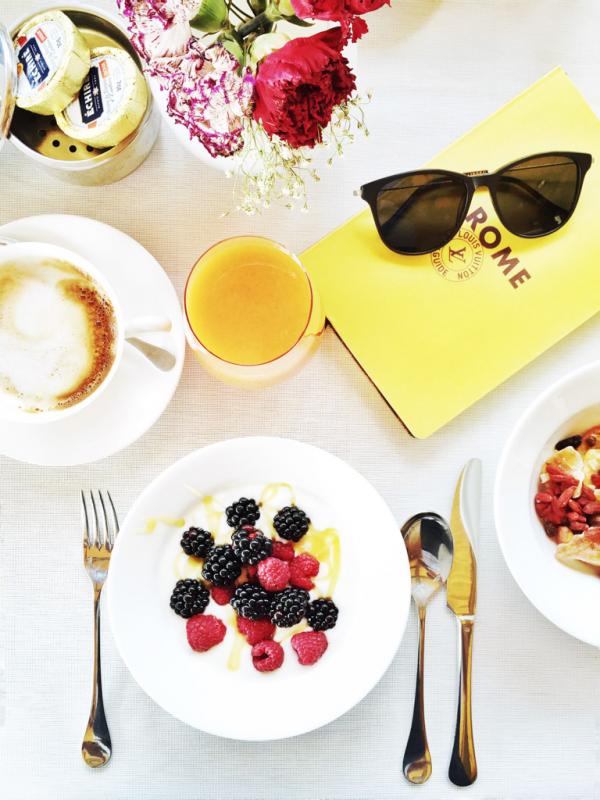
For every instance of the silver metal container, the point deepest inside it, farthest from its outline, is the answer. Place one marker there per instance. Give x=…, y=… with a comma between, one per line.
x=40, y=139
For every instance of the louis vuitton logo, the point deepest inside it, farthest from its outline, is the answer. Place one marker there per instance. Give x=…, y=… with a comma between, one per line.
x=459, y=253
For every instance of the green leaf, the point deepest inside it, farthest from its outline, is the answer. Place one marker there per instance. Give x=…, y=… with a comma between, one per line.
x=212, y=16
x=232, y=45
x=303, y=23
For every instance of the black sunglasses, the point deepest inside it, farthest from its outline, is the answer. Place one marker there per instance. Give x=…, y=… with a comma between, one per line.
x=419, y=212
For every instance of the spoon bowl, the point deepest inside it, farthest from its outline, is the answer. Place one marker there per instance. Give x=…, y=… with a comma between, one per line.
x=428, y=541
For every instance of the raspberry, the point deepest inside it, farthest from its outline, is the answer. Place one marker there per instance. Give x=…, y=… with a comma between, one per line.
x=267, y=656
x=221, y=594
x=204, y=631
x=255, y=630
x=302, y=569
x=309, y=646
x=284, y=551
x=273, y=574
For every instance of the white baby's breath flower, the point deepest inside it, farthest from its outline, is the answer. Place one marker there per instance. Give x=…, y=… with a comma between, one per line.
x=268, y=169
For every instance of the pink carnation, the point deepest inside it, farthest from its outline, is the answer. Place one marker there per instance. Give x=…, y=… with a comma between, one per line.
x=205, y=90
x=159, y=28
x=207, y=94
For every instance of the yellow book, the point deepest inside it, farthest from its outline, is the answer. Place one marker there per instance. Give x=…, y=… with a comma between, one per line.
x=437, y=332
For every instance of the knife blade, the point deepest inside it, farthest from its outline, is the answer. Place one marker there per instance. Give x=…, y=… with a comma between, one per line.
x=462, y=600
x=461, y=589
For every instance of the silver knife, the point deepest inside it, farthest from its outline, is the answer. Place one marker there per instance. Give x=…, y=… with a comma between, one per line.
x=462, y=599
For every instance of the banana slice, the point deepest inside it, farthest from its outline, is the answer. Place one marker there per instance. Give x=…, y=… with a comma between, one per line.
x=591, y=465
x=580, y=550
x=52, y=62
x=568, y=460
x=111, y=103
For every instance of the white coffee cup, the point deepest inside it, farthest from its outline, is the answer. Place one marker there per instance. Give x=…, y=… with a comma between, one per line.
x=11, y=253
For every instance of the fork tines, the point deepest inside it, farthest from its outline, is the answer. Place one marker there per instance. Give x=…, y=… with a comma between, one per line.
x=99, y=518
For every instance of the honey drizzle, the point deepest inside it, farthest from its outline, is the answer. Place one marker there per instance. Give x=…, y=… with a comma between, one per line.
x=213, y=514
x=301, y=626
x=187, y=567
x=269, y=493
x=235, y=654
x=324, y=545
x=170, y=522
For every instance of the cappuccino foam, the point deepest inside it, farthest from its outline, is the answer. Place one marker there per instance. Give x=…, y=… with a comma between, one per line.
x=57, y=334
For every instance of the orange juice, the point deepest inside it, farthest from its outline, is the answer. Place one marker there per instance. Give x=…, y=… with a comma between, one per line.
x=248, y=301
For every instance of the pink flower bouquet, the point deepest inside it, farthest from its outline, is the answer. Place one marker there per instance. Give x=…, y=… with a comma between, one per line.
x=247, y=91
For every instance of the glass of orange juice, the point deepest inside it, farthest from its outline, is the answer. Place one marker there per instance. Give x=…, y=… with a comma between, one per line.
x=253, y=316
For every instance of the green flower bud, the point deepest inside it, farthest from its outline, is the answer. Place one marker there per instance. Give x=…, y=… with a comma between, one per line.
x=212, y=16
x=258, y=6
x=265, y=44
x=286, y=8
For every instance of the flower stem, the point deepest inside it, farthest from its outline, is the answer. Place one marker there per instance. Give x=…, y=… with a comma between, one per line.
x=243, y=15
x=265, y=18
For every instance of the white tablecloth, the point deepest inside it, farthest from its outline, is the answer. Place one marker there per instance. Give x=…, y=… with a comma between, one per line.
x=437, y=67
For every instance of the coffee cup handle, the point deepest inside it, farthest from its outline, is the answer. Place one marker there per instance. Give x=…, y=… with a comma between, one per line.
x=150, y=324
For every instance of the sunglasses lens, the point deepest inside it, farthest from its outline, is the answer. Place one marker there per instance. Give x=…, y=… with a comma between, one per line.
x=537, y=196
x=419, y=213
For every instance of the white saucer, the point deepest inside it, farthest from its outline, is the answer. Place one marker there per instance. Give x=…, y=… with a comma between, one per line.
x=139, y=392
x=202, y=689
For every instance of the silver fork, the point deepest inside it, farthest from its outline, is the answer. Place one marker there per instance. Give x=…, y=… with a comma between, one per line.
x=100, y=528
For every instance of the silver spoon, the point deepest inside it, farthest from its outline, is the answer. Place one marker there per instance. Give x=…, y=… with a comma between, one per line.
x=428, y=541
x=162, y=359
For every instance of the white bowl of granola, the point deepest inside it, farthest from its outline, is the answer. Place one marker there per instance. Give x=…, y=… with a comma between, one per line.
x=546, y=503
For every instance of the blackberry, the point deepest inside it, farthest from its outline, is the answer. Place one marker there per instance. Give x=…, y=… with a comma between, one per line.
x=291, y=523
x=322, y=614
x=570, y=441
x=251, y=601
x=222, y=566
x=288, y=607
x=251, y=545
x=243, y=512
x=190, y=597
x=197, y=542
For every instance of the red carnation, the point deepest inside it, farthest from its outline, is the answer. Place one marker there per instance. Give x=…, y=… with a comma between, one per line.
x=365, y=6
x=346, y=12
x=298, y=86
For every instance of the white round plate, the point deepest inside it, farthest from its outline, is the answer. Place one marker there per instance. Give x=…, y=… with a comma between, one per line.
x=139, y=392
x=198, y=688
x=568, y=598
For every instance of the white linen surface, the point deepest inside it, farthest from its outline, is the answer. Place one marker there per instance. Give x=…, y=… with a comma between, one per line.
x=437, y=67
